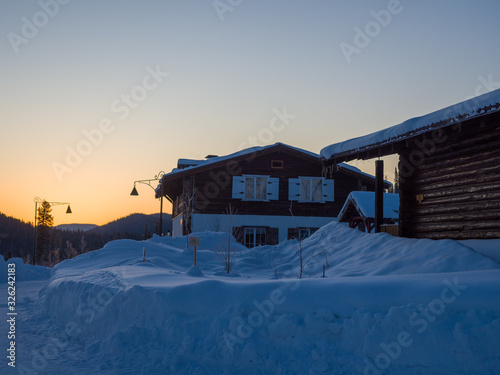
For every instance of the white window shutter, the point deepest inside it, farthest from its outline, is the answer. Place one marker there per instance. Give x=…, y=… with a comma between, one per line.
x=238, y=187
x=293, y=189
x=273, y=188
x=328, y=190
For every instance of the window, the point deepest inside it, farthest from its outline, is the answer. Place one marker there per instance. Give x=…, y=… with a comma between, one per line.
x=300, y=233
x=254, y=236
x=277, y=164
x=255, y=187
x=306, y=232
x=311, y=189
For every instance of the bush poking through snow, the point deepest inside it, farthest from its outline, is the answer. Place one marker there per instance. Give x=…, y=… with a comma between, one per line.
x=225, y=249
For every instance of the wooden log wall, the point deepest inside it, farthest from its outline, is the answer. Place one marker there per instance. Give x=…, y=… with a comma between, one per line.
x=454, y=191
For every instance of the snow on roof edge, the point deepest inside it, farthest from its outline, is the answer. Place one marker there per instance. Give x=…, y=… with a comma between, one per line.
x=218, y=159
x=464, y=110
x=364, y=201
x=250, y=150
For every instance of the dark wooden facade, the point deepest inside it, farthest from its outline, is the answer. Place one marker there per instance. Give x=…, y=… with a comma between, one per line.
x=455, y=192
x=449, y=177
x=212, y=183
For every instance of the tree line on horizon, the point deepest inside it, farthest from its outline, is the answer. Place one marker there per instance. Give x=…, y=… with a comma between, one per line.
x=54, y=245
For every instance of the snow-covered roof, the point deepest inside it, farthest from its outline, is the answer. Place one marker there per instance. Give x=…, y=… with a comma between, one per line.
x=201, y=163
x=364, y=202
x=465, y=110
x=183, y=163
x=194, y=164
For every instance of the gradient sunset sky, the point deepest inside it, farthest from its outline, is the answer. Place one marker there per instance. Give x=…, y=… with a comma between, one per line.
x=97, y=94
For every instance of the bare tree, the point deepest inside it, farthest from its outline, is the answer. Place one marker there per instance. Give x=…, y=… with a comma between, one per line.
x=216, y=224
x=54, y=257
x=70, y=252
x=188, y=193
x=300, y=251
x=275, y=266
x=27, y=259
x=225, y=248
x=83, y=244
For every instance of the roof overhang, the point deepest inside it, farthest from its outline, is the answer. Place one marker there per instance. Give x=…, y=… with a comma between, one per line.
x=391, y=140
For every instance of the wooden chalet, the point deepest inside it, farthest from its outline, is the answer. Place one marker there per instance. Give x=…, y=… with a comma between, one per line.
x=449, y=168
x=258, y=186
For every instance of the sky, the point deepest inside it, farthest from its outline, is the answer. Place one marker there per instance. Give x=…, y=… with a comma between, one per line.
x=95, y=95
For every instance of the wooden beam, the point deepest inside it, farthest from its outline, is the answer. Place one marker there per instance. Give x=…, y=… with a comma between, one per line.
x=379, y=194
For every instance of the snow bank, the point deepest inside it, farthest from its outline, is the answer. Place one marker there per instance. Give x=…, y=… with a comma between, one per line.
x=222, y=327
x=24, y=272
x=489, y=248
x=350, y=252
x=388, y=305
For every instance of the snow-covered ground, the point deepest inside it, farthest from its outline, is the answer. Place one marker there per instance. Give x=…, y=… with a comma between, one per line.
x=386, y=306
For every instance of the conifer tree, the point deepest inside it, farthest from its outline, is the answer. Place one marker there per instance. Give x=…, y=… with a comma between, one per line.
x=43, y=233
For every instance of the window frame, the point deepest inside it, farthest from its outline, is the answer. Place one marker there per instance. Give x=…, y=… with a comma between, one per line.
x=277, y=164
x=255, y=177
x=262, y=232
x=310, y=179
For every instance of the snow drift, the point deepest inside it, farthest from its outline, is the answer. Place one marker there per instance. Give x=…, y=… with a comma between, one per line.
x=386, y=306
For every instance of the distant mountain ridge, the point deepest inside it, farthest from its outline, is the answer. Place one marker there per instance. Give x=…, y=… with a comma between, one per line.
x=76, y=227
x=134, y=224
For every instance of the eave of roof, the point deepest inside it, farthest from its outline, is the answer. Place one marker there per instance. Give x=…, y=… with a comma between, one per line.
x=466, y=110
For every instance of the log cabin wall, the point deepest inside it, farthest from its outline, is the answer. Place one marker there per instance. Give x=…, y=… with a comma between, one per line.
x=453, y=191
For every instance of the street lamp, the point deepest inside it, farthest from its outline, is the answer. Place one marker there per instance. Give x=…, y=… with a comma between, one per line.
x=148, y=182
x=39, y=200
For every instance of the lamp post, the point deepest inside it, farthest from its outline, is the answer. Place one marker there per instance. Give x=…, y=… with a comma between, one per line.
x=39, y=200
x=148, y=182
